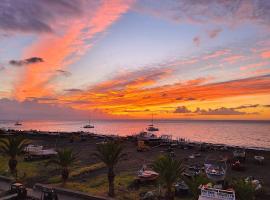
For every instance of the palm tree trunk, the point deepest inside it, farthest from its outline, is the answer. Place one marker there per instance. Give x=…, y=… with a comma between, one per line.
x=12, y=163
x=169, y=194
x=111, y=176
x=65, y=175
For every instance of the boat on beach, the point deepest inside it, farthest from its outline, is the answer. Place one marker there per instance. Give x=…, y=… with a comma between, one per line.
x=151, y=126
x=215, y=169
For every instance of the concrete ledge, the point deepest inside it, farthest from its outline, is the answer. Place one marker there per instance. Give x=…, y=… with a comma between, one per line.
x=69, y=192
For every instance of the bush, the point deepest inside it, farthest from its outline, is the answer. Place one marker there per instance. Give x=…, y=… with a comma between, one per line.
x=244, y=190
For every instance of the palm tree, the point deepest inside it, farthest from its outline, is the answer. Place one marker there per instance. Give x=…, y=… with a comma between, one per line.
x=110, y=153
x=193, y=184
x=65, y=158
x=12, y=147
x=170, y=171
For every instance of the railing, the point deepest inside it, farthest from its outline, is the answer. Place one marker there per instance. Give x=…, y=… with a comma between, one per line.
x=217, y=193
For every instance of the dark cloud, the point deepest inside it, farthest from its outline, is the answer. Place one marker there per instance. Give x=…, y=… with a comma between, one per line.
x=32, y=109
x=247, y=106
x=190, y=99
x=220, y=111
x=267, y=106
x=73, y=90
x=2, y=68
x=179, y=98
x=36, y=15
x=217, y=111
x=182, y=109
x=41, y=99
x=214, y=33
x=197, y=41
x=27, y=61
x=64, y=73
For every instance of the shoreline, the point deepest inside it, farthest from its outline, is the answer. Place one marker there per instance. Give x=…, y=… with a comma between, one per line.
x=91, y=134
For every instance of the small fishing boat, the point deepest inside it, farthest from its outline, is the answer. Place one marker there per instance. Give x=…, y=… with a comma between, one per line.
x=259, y=159
x=89, y=125
x=215, y=169
x=147, y=174
x=17, y=123
x=151, y=126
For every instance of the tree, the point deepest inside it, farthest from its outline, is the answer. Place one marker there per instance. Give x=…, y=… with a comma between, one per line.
x=110, y=153
x=65, y=158
x=193, y=184
x=170, y=171
x=12, y=147
x=244, y=189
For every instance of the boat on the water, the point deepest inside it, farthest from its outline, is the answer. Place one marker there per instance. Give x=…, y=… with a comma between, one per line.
x=17, y=123
x=89, y=125
x=151, y=126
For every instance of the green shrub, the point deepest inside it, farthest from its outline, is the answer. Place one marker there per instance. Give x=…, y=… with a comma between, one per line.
x=244, y=190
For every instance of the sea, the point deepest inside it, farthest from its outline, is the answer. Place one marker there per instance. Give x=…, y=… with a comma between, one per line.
x=250, y=134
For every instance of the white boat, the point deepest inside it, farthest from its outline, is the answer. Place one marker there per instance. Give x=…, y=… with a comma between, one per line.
x=147, y=174
x=260, y=159
x=210, y=193
x=215, y=169
x=151, y=126
x=144, y=135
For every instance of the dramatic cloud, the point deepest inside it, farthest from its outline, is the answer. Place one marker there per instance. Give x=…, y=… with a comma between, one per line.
x=36, y=16
x=74, y=38
x=27, y=61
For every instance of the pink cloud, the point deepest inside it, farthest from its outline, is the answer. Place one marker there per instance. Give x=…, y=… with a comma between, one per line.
x=254, y=65
x=232, y=59
x=265, y=54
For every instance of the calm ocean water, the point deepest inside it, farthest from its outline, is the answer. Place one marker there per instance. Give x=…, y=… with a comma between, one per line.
x=241, y=133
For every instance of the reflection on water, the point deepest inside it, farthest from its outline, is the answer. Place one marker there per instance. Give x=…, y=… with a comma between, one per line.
x=251, y=134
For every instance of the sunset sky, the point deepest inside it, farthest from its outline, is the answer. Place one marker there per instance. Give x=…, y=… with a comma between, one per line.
x=177, y=59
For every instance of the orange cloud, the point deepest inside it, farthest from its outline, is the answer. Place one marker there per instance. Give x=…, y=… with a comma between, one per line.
x=138, y=91
x=58, y=51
